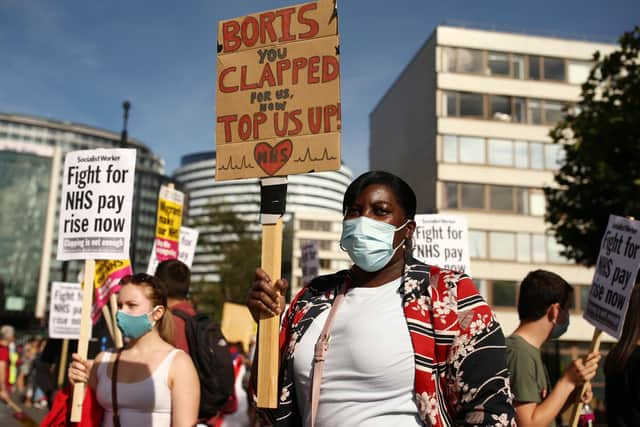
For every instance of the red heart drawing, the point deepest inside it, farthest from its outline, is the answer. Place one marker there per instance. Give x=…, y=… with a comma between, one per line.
x=271, y=159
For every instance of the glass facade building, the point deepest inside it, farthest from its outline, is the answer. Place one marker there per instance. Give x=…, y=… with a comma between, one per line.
x=26, y=151
x=24, y=189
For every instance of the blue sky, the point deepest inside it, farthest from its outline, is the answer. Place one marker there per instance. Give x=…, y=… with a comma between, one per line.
x=77, y=60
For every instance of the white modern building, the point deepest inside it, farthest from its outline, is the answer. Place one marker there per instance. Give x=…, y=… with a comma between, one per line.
x=320, y=193
x=467, y=125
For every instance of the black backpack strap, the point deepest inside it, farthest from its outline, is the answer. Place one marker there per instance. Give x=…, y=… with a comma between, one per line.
x=181, y=314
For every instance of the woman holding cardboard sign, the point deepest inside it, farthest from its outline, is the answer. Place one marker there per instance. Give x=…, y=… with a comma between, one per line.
x=410, y=344
x=156, y=384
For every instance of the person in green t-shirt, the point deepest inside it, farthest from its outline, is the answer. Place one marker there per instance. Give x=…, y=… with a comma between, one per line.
x=543, y=309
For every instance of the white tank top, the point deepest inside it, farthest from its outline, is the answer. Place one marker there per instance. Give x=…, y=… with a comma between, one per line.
x=142, y=403
x=368, y=378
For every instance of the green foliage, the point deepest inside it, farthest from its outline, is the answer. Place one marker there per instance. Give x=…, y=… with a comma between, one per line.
x=240, y=255
x=601, y=140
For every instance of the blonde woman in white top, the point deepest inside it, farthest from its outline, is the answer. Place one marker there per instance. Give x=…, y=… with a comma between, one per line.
x=157, y=384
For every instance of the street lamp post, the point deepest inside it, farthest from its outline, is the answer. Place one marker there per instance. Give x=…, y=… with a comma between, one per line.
x=126, y=105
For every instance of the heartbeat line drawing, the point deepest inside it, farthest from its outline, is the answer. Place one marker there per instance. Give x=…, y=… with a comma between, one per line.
x=243, y=164
x=308, y=157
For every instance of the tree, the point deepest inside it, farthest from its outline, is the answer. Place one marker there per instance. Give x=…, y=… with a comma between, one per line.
x=238, y=247
x=601, y=140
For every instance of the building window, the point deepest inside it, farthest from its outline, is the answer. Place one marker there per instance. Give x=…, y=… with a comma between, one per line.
x=471, y=105
x=500, y=108
x=523, y=201
x=553, y=112
x=498, y=64
x=449, y=59
x=450, y=149
x=503, y=293
x=554, y=69
x=553, y=251
x=472, y=196
x=517, y=66
x=500, y=152
x=501, y=198
x=502, y=245
x=553, y=156
x=315, y=225
x=523, y=242
x=534, y=67
x=521, y=154
x=535, y=112
x=477, y=244
x=539, y=248
x=536, y=155
x=325, y=264
x=450, y=195
x=578, y=72
x=519, y=110
x=450, y=106
x=471, y=150
x=537, y=203
x=470, y=61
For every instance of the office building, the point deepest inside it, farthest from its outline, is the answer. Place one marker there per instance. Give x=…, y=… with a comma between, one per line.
x=467, y=124
x=32, y=151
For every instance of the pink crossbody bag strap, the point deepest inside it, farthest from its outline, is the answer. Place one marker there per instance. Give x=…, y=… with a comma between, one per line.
x=320, y=352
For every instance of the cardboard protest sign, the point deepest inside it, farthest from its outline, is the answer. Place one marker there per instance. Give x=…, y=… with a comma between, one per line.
x=237, y=324
x=442, y=240
x=186, y=249
x=65, y=308
x=615, y=275
x=107, y=282
x=168, y=224
x=278, y=93
x=310, y=261
x=95, y=204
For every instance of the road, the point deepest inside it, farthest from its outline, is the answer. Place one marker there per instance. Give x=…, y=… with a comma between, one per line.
x=8, y=420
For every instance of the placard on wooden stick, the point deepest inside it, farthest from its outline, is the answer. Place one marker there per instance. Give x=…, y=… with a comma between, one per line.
x=278, y=113
x=95, y=223
x=613, y=282
x=278, y=93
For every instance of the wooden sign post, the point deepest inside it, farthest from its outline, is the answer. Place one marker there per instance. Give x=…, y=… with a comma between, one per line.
x=613, y=281
x=278, y=114
x=95, y=224
x=85, y=334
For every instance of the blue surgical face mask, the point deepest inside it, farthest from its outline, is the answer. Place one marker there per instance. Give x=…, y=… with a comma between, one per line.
x=134, y=326
x=368, y=242
x=559, y=329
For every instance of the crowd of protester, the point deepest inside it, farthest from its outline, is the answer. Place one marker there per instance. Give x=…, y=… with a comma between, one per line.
x=463, y=372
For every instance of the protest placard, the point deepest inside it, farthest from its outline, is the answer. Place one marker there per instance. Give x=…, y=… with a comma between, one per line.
x=237, y=324
x=168, y=224
x=278, y=93
x=310, y=260
x=443, y=241
x=107, y=282
x=615, y=275
x=65, y=309
x=186, y=249
x=95, y=205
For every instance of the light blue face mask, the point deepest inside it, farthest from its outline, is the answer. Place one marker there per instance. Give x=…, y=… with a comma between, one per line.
x=368, y=242
x=134, y=326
